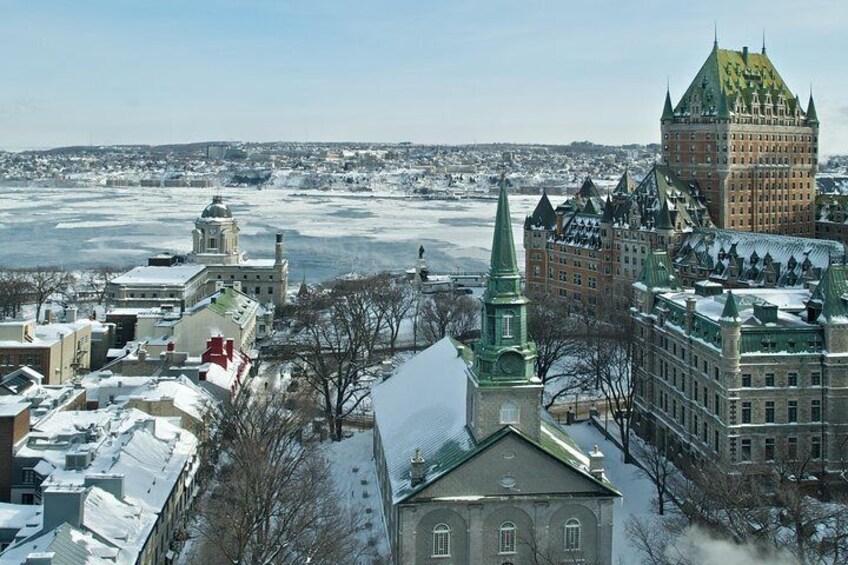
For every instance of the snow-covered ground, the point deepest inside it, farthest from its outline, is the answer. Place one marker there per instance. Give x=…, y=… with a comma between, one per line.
x=637, y=490
x=326, y=233
x=355, y=475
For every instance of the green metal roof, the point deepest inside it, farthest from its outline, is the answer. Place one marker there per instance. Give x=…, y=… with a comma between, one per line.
x=503, y=247
x=657, y=272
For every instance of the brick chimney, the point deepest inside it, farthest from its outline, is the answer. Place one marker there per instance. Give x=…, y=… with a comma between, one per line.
x=216, y=352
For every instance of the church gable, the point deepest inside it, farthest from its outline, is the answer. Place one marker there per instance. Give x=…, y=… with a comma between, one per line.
x=510, y=464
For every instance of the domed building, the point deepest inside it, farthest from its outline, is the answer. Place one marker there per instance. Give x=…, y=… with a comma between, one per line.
x=215, y=238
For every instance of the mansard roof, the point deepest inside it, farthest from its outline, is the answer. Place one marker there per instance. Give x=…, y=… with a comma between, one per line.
x=731, y=79
x=657, y=272
x=757, y=259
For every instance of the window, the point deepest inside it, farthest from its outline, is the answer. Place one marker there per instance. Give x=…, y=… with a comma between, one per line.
x=572, y=535
x=792, y=379
x=745, y=450
x=29, y=477
x=213, y=243
x=815, y=411
x=769, y=449
x=506, y=538
x=792, y=411
x=815, y=447
x=815, y=379
x=746, y=412
x=769, y=379
x=792, y=448
x=506, y=326
x=441, y=540
x=746, y=380
x=770, y=411
x=509, y=413
x=28, y=498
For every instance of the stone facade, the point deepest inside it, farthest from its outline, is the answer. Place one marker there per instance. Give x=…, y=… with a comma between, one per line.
x=744, y=136
x=747, y=378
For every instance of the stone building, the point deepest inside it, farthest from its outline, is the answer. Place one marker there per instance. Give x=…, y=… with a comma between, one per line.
x=743, y=378
x=832, y=217
x=471, y=469
x=745, y=137
x=590, y=247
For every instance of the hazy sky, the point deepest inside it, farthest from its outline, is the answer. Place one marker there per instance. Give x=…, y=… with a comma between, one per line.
x=448, y=71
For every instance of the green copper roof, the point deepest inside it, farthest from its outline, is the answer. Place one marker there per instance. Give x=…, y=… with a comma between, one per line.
x=503, y=248
x=730, y=313
x=812, y=117
x=829, y=292
x=543, y=215
x=657, y=272
x=588, y=189
x=727, y=75
x=663, y=219
x=668, y=111
x=626, y=184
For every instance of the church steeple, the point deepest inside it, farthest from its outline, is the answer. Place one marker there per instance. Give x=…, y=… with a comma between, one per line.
x=504, y=371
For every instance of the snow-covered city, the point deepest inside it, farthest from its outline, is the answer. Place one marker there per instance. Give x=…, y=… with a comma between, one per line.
x=284, y=283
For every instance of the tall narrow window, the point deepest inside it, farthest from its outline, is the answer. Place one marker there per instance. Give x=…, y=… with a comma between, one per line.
x=572, y=535
x=506, y=327
x=441, y=540
x=509, y=413
x=506, y=539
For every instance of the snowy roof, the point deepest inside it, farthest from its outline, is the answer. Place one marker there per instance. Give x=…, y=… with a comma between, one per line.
x=789, y=302
x=187, y=396
x=70, y=546
x=178, y=274
x=422, y=406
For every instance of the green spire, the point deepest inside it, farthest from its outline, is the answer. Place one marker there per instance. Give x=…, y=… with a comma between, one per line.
x=730, y=313
x=812, y=118
x=663, y=217
x=668, y=110
x=503, y=248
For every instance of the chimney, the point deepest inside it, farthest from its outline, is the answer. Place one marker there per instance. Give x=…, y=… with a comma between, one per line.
x=170, y=347
x=63, y=504
x=230, y=345
x=745, y=55
x=40, y=558
x=48, y=316
x=279, y=249
x=596, y=463
x=418, y=471
x=71, y=314
x=691, y=301
x=142, y=355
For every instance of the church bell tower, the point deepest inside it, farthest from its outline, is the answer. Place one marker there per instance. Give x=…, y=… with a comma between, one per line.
x=503, y=388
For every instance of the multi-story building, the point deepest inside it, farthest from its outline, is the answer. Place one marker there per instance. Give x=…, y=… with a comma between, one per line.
x=477, y=472
x=744, y=136
x=591, y=247
x=832, y=217
x=743, y=378
x=59, y=351
x=215, y=259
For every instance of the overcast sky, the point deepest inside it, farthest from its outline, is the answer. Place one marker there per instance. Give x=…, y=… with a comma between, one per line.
x=435, y=71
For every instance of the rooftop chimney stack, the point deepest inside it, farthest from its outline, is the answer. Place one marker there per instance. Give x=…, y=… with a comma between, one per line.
x=417, y=472
x=596, y=463
x=279, y=249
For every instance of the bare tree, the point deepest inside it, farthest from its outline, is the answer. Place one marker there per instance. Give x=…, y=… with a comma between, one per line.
x=448, y=313
x=337, y=332
x=274, y=501
x=395, y=298
x=610, y=360
x=15, y=290
x=560, y=338
x=653, y=463
x=45, y=282
x=96, y=280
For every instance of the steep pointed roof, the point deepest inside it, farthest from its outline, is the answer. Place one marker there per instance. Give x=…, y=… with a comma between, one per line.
x=812, y=117
x=668, y=109
x=829, y=292
x=543, y=215
x=588, y=190
x=609, y=212
x=626, y=184
x=503, y=260
x=730, y=312
x=657, y=272
x=727, y=75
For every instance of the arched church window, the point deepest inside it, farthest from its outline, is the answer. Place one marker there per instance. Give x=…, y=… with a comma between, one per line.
x=441, y=540
x=506, y=538
x=510, y=413
x=507, y=325
x=572, y=535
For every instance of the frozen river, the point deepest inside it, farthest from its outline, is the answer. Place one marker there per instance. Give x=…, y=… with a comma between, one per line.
x=325, y=234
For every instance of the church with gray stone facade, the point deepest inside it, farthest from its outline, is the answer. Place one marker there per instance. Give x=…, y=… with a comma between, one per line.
x=471, y=469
